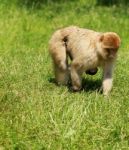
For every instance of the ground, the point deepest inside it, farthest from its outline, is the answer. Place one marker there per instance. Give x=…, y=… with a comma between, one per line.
x=35, y=113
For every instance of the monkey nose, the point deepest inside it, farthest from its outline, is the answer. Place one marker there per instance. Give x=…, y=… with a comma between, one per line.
x=111, y=56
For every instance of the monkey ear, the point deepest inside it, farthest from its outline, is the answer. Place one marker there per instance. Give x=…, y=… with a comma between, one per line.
x=101, y=37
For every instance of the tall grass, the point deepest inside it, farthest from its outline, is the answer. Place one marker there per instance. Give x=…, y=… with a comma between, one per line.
x=36, y=114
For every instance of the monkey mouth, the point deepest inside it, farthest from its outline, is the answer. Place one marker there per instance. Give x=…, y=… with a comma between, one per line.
x=111, y=56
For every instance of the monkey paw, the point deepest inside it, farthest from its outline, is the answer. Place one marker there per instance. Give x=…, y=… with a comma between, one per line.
x=75, y=89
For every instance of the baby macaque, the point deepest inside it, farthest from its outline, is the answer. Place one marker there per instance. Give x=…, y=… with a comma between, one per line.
x=87, y=50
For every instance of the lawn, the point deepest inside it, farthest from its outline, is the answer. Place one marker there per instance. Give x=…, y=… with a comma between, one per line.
x=35, y=114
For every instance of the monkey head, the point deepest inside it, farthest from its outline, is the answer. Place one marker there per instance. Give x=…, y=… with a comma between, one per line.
x=109, y=45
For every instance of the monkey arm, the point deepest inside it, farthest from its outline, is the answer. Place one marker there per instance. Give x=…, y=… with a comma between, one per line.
x=107, y=78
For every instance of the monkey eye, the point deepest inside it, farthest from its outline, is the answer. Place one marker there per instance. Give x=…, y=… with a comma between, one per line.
x=111, y=50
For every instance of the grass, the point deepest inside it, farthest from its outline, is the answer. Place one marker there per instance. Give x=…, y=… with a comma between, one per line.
x=35, y=114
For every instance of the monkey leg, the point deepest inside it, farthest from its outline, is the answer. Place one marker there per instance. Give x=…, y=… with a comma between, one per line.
x=60, y=64
x=61, y=74
x=57, y=49
x=76, y=73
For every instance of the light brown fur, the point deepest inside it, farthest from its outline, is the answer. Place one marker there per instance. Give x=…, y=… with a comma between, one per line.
x=87, y=49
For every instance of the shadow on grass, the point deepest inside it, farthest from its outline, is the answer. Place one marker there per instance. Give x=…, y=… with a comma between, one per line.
x=91, y=85
x=52, y=80
x=87, y=85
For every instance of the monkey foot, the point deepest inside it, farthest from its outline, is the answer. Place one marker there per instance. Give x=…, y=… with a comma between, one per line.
x=75, y=89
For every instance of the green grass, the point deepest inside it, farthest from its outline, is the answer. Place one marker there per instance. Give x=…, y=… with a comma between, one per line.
x=35, y=114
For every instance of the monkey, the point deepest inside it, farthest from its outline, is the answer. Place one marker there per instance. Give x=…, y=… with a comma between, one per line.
x=87, y=50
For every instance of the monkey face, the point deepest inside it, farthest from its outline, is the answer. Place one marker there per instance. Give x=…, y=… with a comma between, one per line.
x=110, y=43
x=110, y=53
